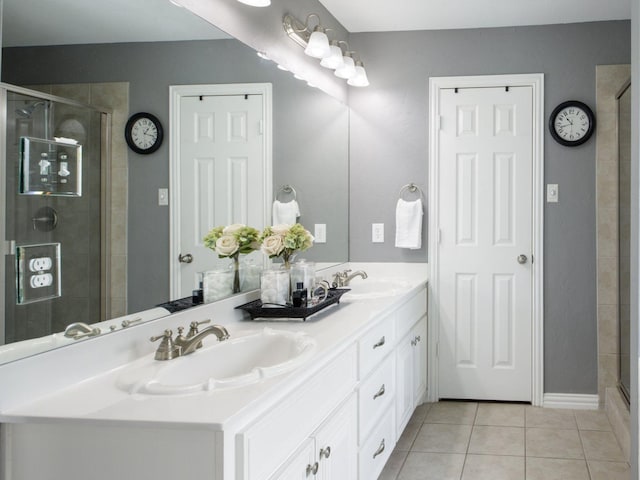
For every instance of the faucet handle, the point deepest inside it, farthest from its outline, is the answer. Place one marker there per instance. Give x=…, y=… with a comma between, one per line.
x=193, y=327
x=167, y=348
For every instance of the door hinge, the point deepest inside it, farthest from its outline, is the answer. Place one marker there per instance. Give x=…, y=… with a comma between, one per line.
x=437, y=349
x=439, y=122
x=531, y=258
x=261, y=127
x=439, y=236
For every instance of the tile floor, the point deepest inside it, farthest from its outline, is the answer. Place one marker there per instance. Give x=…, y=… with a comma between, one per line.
x=498, y=441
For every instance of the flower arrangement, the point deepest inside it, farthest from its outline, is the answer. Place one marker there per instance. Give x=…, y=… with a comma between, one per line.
x=230, y=242
x=285, y=240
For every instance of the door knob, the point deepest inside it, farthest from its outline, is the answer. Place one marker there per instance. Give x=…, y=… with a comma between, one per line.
x=188, y=258
x=522, y=259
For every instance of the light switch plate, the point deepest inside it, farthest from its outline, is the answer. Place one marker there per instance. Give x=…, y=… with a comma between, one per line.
x=552, y=193
x=163, y=197
x=320, y=233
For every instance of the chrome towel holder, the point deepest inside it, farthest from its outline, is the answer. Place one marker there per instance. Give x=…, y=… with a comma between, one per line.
x=411, y=188
x=287, y=190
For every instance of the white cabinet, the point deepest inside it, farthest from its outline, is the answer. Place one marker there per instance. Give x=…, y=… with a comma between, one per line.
x=331, y=453
x=411, y=372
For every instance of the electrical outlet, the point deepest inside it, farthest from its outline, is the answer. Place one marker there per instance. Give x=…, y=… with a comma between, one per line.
x=40, y=280
x=320, y=233
x=40, y=264
x=377, y=232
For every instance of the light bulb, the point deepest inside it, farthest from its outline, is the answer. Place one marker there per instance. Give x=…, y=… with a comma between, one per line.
x=360, y=78
x=348, y=69
x=256, y=3
x=334, y=60
x=318, y=46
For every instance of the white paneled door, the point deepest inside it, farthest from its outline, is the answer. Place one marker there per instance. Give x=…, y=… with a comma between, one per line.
x=485, y=251
x=221, y=173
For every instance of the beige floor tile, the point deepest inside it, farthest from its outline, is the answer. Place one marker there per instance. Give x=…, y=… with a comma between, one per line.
x=441, y=438
x=556, y=469
x=408, y=436
x=493, y=467
x=553, y=443
x=500, y=414
x=458, y=413
x=593, y=420
x=609, y=470
x=489, y=440
x=393, y=465
x=549, y=418
x=432, y=466
x=420, y=413
x=601, y=446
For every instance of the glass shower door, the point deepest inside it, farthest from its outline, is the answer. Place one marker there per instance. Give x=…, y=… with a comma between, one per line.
x=52, y=215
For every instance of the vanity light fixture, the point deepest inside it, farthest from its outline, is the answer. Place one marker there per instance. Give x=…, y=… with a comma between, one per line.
x=334, y=59
x=256, y=3
x=316, y=44
x=360, y=78
x=348, y=68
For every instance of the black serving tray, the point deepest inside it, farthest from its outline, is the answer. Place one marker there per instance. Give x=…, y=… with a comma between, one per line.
x=256, y=310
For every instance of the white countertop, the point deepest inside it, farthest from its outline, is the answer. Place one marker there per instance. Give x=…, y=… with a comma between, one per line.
x=96, y=398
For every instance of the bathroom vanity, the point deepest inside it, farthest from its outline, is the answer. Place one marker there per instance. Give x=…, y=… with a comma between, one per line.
x=336, y=412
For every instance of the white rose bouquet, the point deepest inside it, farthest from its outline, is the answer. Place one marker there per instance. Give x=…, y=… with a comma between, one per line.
x=285, y=240
x=230, y=242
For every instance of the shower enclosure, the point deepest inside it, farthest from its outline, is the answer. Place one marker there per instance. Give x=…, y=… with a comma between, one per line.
x=54, y=166
x=624, y=236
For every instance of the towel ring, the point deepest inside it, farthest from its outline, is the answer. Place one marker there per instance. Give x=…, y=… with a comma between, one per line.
x=412, y=188
x=287, y=189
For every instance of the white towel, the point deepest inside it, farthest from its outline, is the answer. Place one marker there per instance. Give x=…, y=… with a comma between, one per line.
x=409, y=224
x=286, y=213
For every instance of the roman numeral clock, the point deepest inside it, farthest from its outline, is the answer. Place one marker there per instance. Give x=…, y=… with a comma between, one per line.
x=143, y=133
x=572, y=123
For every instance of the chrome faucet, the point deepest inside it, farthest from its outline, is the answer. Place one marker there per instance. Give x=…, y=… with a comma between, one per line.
x=80, y=330
x=342, y=279
x=189, y=344
x=170, y=348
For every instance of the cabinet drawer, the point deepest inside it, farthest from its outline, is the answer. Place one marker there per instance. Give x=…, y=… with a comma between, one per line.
x=410, y=312
x=375, y=395
x=376, y=344
x=266, y=444
x=376, y=450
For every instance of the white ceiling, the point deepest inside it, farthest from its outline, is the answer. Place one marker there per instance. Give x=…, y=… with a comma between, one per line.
x=63, y=22
x=66, y=22
x=385, y=15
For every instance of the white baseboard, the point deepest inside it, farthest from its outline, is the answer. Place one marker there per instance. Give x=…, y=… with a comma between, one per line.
x=571, y=400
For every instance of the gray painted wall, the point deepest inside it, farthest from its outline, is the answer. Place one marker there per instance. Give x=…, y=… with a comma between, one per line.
x=389, y=131
x=310, y=137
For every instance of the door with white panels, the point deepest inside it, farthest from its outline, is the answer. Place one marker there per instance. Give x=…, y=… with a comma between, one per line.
x=221, y=174
x=485, y=164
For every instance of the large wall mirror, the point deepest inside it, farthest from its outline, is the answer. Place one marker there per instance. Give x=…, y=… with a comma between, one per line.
x=148, y=46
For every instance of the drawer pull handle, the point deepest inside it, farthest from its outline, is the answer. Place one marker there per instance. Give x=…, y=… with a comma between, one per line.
x=380, y=343
x=379, y=392
x=414, y=342
x=380, y=449
x=325, y=452
x=312, y=469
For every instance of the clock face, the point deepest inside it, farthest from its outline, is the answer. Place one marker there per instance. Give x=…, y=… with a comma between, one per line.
x=571, y=123
x=143, y=133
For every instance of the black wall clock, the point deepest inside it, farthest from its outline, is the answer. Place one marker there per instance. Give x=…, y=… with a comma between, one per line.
x=143, y=133
x=572, y=123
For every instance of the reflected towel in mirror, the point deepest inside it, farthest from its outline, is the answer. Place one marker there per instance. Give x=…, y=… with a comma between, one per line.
x=409, y=224
x=285, y=213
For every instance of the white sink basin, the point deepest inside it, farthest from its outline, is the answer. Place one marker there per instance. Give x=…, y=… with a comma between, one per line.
x=370, y=288
x=235, y=362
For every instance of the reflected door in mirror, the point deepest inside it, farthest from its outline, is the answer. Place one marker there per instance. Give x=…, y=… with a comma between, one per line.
x=221, y=174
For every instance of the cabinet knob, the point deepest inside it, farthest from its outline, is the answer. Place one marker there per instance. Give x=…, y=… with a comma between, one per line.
x=380, y=343
x=380, y=449
x=325, y=452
